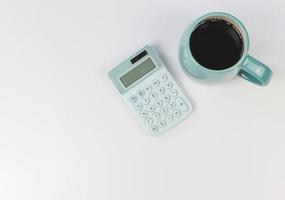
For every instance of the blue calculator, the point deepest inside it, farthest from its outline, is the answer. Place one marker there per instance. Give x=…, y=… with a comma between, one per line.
x=150, y=92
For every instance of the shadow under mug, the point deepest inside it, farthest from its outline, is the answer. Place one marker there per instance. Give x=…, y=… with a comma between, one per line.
x=247, y=67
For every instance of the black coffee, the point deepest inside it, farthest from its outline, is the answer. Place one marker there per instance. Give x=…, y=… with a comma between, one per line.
x=216, y=44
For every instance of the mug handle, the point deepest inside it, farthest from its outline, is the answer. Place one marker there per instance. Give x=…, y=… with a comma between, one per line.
x=254, y=71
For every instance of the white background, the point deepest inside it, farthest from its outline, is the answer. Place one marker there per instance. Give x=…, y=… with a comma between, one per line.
x=66, y=134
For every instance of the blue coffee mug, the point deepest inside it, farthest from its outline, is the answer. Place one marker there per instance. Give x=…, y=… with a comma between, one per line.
x=247, y=67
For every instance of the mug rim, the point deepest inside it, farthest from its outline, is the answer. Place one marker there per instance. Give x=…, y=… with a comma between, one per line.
x=230, y=18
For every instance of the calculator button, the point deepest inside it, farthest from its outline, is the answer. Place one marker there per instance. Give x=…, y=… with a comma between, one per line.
x=133, y=98
x=173, y=92
x=161, y=90
x=148, y=88
x=171, y=105
x=168, y=118
x=143, y=113
x=148, y=121
x=138, y=106
x=176, y=113
x=166, y=98
x=155, y=82
x=146, y=101
x=164, y=110
x=151, y=108
x=168, y=85
x=163, y=77
x=141, y=93
x=154, y=129
x=161, y=123
x=181, y=104
x=153, y=95
x=159, y=102
x=156, y=115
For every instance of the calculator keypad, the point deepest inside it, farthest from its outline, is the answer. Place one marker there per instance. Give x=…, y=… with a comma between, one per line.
x=148, y=88
x=146, y=100
x=133, y=98
x=163, y=77
x=168, y=85
x=159, y=103
x=141, y=93
x=139, y=106
x=155, y=83
x=143, y=113
x=149, y=121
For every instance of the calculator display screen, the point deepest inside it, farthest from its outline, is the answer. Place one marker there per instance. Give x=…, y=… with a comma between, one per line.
x=136, y=73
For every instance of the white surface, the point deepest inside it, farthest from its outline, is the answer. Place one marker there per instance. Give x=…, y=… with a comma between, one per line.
x=66, y=134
